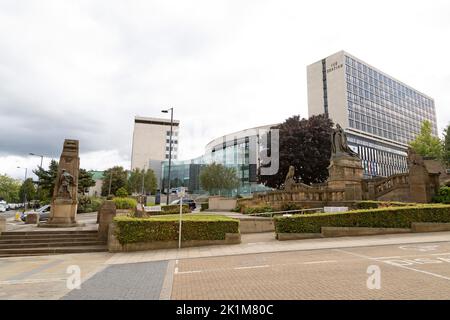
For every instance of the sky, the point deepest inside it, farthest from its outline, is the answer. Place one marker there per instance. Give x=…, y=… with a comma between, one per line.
x=83, y=69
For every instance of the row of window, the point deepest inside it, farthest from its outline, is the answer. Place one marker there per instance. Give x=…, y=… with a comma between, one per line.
x=366, y=72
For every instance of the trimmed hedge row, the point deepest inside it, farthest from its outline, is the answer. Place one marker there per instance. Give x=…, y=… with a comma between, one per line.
x=391, y=217
x=170, y=209
x=165, y=228
x=370, y=204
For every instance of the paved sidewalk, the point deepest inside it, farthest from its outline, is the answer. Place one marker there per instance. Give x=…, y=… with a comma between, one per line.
x=266, y=242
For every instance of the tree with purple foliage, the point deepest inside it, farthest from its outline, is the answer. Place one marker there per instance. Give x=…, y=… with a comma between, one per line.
x=306, y=145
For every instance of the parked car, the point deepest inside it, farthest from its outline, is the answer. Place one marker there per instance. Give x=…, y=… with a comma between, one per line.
x=190, y=202
x=3, y=206
x=44, y=213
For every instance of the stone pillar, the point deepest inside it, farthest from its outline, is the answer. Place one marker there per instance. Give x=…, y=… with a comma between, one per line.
x=2, y=224
x=419, y=184
x=106, y=214
x=346, y=173
x=32, y=218
x=65, y=194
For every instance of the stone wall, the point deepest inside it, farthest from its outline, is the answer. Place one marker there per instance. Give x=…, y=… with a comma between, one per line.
x=221, y=203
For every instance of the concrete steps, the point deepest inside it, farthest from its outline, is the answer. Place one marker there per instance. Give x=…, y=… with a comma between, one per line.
x=30, y=243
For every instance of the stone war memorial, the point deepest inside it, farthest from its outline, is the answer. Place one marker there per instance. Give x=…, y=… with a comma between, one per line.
x=65, y=194
x=347, y=184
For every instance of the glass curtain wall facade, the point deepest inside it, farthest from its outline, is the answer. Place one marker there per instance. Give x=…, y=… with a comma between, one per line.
x=231, y=151
x=380, y=114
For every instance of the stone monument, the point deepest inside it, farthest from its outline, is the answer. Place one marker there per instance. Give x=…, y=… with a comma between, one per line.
x=289, y=181
x=345, y=170
x=422, y=184
x=64, y=201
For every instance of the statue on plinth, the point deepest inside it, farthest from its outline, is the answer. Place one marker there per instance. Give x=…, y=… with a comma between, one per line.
x=339, y=144
x=289, y=181
x=64, y=201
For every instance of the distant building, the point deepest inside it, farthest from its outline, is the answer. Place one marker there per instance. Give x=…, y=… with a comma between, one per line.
x=380, y=114
x=96, y=191
x=231, y=150
x=151, y=144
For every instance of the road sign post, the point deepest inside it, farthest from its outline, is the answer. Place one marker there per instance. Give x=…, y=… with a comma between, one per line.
x=180, y=192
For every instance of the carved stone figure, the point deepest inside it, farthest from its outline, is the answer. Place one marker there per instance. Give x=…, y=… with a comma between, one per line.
x=339, y=145
x=414, y=159
x=289, y=181
x=66, y=180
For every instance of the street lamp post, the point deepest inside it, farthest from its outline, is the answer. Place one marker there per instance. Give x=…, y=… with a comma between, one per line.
x=110, y=182
x=24, y=193
x=170, y=150
x=37, y=155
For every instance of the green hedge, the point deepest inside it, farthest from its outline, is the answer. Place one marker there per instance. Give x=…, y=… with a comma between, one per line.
x=204, y=206
x=165, y=228
x=391, y=217
x=443, y=195
x=170, y=209
x=88, y=204
x=369, y=204
x=125, y=203
x=260, y=209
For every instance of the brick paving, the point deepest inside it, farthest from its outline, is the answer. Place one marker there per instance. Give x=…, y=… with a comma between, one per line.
x=318, y=274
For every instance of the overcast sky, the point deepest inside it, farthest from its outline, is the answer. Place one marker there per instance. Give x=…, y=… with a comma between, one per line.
x=84, y=69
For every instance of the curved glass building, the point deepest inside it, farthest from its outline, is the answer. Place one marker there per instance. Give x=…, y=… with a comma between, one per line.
x=239, y=150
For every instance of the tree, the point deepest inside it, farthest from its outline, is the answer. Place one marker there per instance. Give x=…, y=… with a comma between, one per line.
x=216, y=177
x=122, y=192
x=9, y=189
x=306, y=145
x=46, y=180
x=446, y=146
x=135, y=181
x=117, y=176
x=426, y=144
x=85, y=181
x=27, y=190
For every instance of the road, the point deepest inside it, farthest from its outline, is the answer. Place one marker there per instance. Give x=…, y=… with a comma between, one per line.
x=405, y=270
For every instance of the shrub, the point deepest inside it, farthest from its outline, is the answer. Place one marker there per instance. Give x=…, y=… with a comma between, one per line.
x=125, y=203
x=392, y=217
x=204, y=206
x=122, y=192
x=287, y=206
x=260, y=209
x=443, y=195
x=238, y=208
x=165, y=228
x=88, y=204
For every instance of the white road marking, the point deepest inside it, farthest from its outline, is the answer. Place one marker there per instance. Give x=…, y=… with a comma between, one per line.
x=9, y=282
x=395, y=265
x=251, y=267
x=187, y=272
x=322, y=261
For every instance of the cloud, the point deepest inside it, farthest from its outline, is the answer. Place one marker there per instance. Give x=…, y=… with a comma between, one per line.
x=84, y=69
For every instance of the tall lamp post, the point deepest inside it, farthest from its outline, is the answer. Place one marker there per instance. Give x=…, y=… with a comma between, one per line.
x=37, y=155
x=24, y=193
x=170, y=150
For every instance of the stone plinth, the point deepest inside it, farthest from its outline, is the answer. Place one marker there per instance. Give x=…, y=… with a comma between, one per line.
x=419, y=184
x=106, y=214
x=64, y=202
x=346, y=172
x=2, y=224
x=32, y=218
